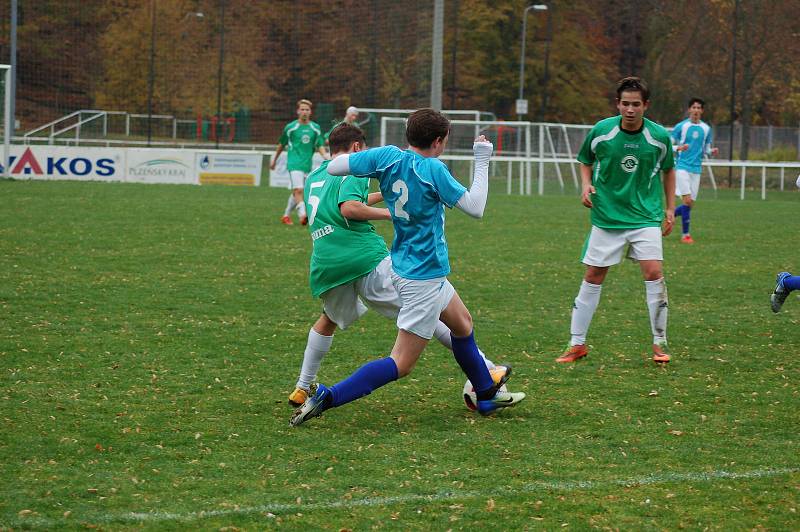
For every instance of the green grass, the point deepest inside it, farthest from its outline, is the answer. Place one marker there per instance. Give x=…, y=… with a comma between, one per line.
x=150, y=335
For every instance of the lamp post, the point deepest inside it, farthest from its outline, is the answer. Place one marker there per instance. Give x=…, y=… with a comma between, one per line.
x=219, y=71
x=151, y=73
x=522, y=107
x=536, y=7
x=546, y=77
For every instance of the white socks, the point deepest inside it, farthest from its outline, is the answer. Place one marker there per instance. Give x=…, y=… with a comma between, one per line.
x=301, y=209
x=290, y=205
x=656, y=293
x=583, y=310
x=316, y=349
x=442, y=333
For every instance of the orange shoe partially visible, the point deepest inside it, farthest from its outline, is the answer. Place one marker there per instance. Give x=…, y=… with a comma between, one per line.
x=660, y=355
x=573, y=353
x=687, y=239
x=298, y=397
x=285, y=220
x=304, y=220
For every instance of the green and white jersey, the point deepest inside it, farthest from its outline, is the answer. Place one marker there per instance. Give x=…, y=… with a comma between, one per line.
x=626, y=173
x=343, y=250
x=301, y=141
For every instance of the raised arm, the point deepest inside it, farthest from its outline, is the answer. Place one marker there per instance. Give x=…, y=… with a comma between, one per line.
x=473, y=201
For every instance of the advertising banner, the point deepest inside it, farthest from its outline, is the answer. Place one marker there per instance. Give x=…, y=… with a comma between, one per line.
x=148, y=165
x=228, y=168
x=61, y=162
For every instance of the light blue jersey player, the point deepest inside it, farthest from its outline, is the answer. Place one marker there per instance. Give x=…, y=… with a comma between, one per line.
x=416, y=186
x=692, y=138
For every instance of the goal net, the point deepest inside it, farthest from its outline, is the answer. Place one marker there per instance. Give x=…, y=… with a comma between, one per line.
x=528, y=156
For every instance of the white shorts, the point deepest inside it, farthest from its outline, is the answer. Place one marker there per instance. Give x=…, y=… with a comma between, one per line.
x=297, y=179
x=604, y=247
x=423, y=303
x=344, y=304
x=686, y=183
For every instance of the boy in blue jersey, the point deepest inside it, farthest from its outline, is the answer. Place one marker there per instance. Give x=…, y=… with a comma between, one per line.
x=693, y=139
x=416, y=186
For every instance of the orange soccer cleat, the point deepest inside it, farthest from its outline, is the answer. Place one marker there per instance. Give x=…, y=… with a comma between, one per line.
x=285, y=220
x=687, y=239
x=660, y=355
x=573, y=353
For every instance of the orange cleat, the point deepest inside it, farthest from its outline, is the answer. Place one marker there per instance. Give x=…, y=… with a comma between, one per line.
x=660, y=355
x=687, y=239
x=573, y=353
x=285, y=220
x=304, y=220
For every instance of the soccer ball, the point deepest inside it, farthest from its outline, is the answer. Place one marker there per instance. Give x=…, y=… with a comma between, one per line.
x=470, y=399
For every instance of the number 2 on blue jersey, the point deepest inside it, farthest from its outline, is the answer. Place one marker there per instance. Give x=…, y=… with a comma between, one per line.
x=400, y=187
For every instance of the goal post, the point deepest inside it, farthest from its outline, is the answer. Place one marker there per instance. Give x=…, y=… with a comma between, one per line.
x=6, y=120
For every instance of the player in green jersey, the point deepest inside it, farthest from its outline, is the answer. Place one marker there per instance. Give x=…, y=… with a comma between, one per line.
x=301, y=138
x=349, y=259
x=621, y=159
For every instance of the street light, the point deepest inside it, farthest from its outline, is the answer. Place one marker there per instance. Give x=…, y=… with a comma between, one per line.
x=535, y=7
x=152, y=71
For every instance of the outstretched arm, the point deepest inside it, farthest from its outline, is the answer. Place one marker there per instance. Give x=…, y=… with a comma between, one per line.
x=355, y=210
x=473, y=201
x=340, y=165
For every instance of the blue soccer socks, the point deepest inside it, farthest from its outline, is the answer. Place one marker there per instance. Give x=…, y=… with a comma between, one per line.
x=364, y=381
x=465, y=350
x=685, y=212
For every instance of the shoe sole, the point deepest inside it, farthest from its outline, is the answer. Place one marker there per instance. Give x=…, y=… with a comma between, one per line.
x=661, y=361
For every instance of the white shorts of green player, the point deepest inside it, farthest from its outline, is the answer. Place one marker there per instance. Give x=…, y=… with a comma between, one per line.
x=345, y=304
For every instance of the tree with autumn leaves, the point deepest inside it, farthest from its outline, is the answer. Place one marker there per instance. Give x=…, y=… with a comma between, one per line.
x=96, y=54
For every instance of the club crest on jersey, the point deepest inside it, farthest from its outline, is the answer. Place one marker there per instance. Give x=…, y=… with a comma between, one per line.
x=629, y=163
x=695, y=134
x=306, y=139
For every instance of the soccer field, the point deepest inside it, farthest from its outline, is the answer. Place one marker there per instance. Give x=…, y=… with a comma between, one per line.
x=150, y=335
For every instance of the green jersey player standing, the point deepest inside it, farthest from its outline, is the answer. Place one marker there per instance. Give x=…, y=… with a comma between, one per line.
x=622, y=160
x=301, y=138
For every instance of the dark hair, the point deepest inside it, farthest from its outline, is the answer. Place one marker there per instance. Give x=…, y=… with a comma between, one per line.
x=343, y=136
x=633, y=84
x=424, y=126
x=693, y=101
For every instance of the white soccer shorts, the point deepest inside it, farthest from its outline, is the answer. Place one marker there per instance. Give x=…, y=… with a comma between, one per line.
x=423, y=303
x=343, y=304
x=604, y=247
x=297, y=179
x=687, y=183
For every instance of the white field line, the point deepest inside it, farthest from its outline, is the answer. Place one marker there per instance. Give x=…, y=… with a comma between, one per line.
x=272, y=510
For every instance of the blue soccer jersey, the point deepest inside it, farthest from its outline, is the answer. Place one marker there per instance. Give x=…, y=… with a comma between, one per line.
x=698, y=137
x=415, y=189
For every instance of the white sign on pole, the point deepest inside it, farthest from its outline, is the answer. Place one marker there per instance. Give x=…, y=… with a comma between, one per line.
x=522, y=107
x=226, y=168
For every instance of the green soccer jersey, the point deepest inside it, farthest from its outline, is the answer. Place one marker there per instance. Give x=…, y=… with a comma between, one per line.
x=626, y=173
x=343, y=250
x=301, y=141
